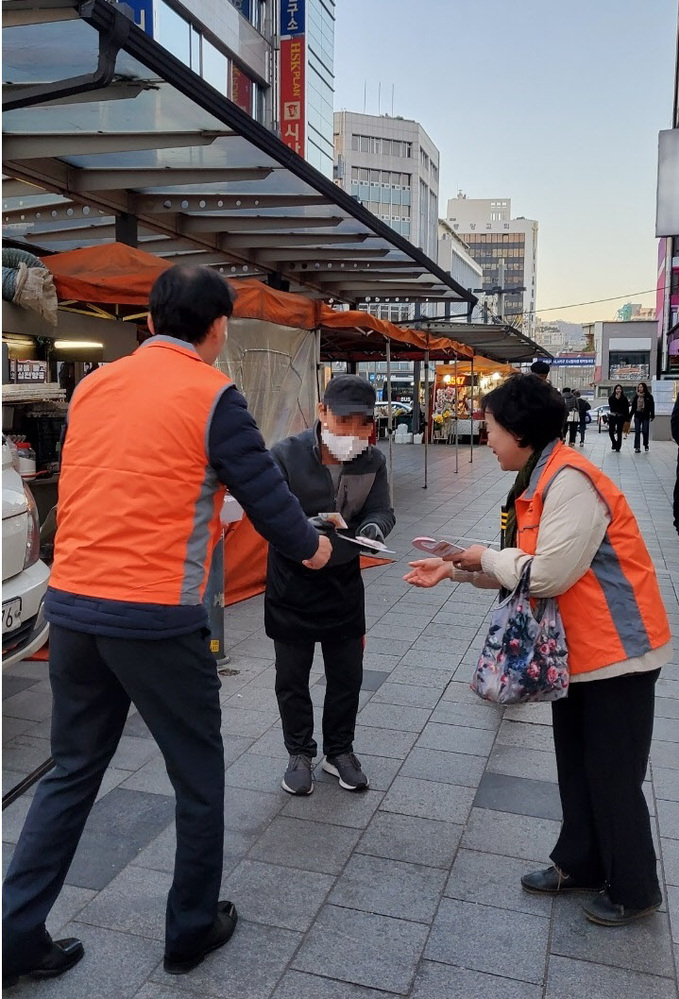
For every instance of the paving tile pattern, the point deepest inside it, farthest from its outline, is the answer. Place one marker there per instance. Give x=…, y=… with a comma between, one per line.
x=410, y=889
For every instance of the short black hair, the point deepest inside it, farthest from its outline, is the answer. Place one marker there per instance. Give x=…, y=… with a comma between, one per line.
x=185, y=301
x=529, y=408
x=540, y=368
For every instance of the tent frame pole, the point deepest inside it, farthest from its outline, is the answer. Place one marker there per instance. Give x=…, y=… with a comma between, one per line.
x=390, y=425
x=427, y=415
x=471, y=414
x=457, y=420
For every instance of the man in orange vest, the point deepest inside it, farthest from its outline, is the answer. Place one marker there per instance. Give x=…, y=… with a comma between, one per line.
x=152, y=441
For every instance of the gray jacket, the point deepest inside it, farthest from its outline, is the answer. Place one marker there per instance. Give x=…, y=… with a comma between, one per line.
x=362, y=494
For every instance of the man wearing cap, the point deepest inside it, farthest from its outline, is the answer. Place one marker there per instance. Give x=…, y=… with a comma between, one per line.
x=330, y=467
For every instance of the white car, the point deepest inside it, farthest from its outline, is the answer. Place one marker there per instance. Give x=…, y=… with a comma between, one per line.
x=24, y=576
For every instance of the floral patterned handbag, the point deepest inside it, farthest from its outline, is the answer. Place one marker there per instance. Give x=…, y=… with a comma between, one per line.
x=524, y=657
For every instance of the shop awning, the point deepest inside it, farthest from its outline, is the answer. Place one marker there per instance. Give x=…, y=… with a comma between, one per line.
x=497, y=341
x=105, y=132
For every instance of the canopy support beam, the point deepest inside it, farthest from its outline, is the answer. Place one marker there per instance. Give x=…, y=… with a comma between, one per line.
x=110, y=44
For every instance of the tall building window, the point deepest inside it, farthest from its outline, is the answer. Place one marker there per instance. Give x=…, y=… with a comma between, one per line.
x=215, y=67
x=174, y=33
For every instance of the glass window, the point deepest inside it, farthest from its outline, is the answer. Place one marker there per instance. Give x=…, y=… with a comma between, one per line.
x=174, y=33
x=355, y=142
x=195, y=51
x=215, y=67
x=386, y=147
x=385, y=195
x=354, y=174
x=241, y=88
x=364, y=175
x=629, y=365
x=365, y=144
x=375, y=177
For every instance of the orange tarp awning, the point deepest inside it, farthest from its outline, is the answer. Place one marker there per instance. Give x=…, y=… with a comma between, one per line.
x=120, y=274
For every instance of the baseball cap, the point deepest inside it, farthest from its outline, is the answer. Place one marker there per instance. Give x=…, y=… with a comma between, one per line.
x=346, y=395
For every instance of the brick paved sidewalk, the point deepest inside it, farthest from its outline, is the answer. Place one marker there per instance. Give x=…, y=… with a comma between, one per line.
x=411, y=889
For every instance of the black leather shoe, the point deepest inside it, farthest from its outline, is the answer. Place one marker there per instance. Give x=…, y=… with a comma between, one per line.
x=552, y=881
x=602, y=911
x=62, y=956
x=222, y=930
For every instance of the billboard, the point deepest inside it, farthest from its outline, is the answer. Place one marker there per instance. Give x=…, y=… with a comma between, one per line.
x=292, y=111
x=143, y=14
x=293, y=15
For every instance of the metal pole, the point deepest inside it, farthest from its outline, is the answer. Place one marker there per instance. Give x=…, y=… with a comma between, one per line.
x=390, y=425
x=457, y=420
x=214, y=603
x=471, y=413
x=426, y=417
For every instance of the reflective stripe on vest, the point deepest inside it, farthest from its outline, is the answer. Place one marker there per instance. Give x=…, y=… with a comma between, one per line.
x=615, y=611
x=139, y=503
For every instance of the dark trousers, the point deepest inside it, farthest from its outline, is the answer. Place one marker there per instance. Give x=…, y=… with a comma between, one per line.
x=615, y=424
x=641, y=425
x=602, y=736
x=343, y=661
x=174, y=684
x=573, y=431
x=675, y=505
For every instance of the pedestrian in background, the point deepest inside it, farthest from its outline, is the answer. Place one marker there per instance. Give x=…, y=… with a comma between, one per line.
x=541, y=369
x=330, y=468
x=577, y=531
x=572, y=419
x=583, y=408
x=643, y=412
x=152, y=440
x=618, y=416
x=674, y=424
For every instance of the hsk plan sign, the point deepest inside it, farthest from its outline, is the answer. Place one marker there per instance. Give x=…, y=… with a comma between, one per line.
x=292, y=88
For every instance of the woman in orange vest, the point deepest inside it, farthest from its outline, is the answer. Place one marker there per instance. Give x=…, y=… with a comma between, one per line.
x=586, y=549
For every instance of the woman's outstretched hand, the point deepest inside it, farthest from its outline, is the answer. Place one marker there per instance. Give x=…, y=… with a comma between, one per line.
x=428, y=572
x=470, y=558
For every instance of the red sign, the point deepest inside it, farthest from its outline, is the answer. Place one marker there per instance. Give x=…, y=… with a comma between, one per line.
x=241, y=89
x=292, y=110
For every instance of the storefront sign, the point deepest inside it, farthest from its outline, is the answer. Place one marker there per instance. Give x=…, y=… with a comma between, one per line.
x=292, y=110
x=143, y=14
x=584, y=361
x=27, y=372
x=292, y=18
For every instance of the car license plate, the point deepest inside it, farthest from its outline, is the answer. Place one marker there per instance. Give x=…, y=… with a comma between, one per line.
x=11, y=615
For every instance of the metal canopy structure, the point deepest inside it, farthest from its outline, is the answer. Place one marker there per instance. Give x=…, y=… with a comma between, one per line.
x=107, y=136
x=497, y=341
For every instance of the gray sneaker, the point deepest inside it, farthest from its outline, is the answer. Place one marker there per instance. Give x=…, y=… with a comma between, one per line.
x=297, y=778
x=347, y=767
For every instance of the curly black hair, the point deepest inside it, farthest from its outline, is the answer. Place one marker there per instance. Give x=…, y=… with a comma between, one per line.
x=529, y=408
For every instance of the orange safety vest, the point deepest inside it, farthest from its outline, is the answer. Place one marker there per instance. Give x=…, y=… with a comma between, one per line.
x=615, y=611
x=139, y=503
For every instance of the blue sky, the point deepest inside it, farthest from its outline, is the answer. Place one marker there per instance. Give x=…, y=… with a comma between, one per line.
x=557, y=106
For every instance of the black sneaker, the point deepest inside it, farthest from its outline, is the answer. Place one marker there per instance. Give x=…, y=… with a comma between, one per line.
x=602, y=911
x=297, y=778
x=552, y=881
x=347, y=767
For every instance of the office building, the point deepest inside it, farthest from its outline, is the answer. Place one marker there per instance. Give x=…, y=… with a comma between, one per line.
x=455, y=258
x=273, y=59
x=506, y=248
x=392, y=167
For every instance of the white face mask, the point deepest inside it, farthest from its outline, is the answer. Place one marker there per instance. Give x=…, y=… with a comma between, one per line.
x=341, y=447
